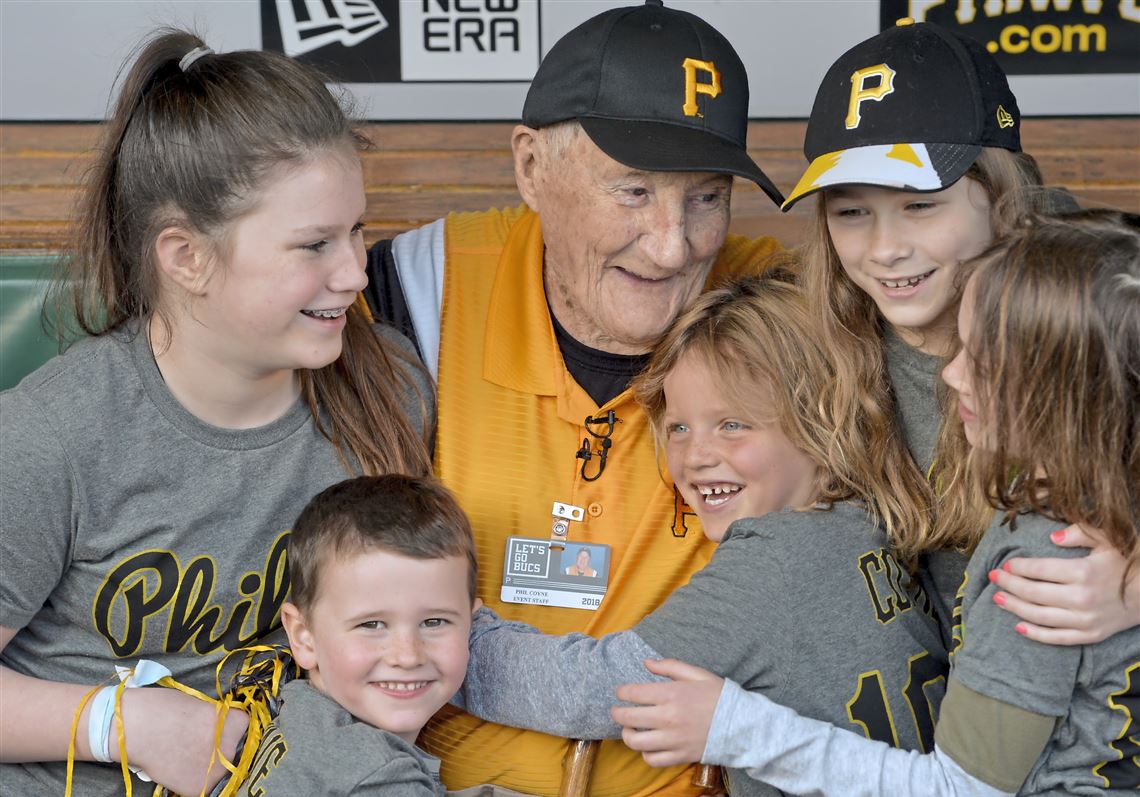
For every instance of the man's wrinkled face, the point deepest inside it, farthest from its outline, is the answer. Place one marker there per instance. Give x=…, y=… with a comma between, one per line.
x=626, y=250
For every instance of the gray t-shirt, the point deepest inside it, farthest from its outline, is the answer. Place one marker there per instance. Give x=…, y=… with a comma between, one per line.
x=914, y=376
x=1093, y=689
x=809, y=608
x=130, y=529
x=316, y=747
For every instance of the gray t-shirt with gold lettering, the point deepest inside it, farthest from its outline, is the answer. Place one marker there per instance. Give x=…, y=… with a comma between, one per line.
x=316, y=747
x=131, y=529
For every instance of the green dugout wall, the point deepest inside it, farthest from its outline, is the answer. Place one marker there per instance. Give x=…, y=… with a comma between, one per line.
x=24, y=345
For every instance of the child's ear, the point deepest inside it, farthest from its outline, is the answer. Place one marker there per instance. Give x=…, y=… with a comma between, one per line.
x=185, y=258
x=300, y=638
x=477, y=605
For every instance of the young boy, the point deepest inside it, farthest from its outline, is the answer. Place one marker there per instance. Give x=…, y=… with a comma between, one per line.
x=383, y=587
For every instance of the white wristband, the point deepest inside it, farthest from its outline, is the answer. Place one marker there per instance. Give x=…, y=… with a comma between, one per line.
x=144, y=673
x=99, y=723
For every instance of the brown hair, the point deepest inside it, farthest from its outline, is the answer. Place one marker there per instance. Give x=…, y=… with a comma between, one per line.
x=195, y=148
x=759, y=341
x=413, y=516
x=1054, y=349
x=863, y=397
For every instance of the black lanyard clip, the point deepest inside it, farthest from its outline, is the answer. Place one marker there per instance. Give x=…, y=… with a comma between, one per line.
x=610, y=420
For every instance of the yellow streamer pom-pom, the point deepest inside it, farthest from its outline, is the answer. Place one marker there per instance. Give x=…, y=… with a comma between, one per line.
x=254, y=688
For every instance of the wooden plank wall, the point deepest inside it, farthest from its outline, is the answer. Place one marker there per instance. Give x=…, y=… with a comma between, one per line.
x=419, y=172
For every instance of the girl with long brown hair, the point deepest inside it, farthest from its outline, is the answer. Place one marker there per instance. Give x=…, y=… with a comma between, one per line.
x=228, y=374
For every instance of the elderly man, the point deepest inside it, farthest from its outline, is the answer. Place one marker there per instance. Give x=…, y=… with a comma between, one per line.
x=534, y=320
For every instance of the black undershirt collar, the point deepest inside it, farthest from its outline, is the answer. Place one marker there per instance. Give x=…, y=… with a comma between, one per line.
x=601, y=374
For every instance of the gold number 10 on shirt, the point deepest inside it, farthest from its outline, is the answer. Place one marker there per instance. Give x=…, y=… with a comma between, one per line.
x=870, y=707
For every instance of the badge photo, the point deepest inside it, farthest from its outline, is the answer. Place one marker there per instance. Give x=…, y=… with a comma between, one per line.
x=537, y=573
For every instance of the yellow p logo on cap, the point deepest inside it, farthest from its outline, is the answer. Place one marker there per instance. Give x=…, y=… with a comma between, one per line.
x=693, y=88
x=860, y=93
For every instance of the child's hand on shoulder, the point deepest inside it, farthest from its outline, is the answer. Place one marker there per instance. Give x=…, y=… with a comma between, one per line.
x=1071, y=601
x=670, y=722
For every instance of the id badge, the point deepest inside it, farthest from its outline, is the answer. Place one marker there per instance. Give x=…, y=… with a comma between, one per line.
x=575, y=576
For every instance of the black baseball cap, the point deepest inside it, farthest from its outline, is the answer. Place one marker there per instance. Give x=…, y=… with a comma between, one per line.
x=654, y=88
x=910, y=108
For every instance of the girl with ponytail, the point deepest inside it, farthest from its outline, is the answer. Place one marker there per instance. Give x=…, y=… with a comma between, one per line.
x=227, y=374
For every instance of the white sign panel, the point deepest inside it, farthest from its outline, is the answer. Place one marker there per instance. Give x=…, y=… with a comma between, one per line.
x=469, y=41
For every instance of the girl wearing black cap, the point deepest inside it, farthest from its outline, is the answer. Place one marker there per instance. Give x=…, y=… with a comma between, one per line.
x=151, y=473
x=915, y=153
